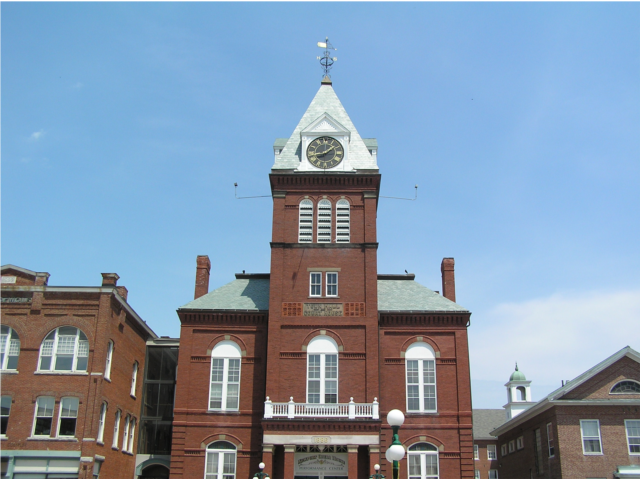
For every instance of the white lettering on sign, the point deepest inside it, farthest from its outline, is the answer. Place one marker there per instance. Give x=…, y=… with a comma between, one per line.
x=334, y=464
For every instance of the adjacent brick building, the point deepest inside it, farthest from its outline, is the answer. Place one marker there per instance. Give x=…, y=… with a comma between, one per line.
x=485, y=445
x=70, y=392
x=588, y=428
x=298, y=367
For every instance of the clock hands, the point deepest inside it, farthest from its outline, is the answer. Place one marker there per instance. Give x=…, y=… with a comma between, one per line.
x=327, y=150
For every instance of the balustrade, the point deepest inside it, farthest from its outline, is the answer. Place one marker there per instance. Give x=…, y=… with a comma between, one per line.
x=349, y=410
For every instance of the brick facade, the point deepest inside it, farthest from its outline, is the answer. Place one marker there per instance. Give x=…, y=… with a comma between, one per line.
x=33, y=309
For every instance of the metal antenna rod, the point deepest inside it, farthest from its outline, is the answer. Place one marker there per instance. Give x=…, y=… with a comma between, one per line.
x=242, y=198
x=400, y=198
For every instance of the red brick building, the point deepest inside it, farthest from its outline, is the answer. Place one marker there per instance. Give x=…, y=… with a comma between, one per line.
x=70, y=393
x=588, y=428
x=485, y=445
x=299, y=367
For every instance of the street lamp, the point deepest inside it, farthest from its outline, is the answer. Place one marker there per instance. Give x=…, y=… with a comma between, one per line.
x=395, y=452
x=376, y=467
x=260, y=474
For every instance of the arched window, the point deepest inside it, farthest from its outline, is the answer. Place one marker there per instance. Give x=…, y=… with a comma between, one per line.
x=324, y=221
x=220, y=460
x=107, y=367
x=422, y=459
x=626, y=386
x=421, y=378
x=224, y=393
x=322, y=370
x=305, y=222
x=343, y=210
x=522, y=394
x=66, y=349
x=9, y=348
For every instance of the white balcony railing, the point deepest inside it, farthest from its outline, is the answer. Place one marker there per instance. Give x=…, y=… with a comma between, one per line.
x=349, y=410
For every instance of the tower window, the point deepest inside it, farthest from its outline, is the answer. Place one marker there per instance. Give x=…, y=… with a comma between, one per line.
x=332, y=284
x=324, y=221
x=315, y=284
x=305, y=222
x=343, y=221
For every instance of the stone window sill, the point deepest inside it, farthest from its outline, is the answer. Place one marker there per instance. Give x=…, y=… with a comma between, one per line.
x=82, y=374
x=53, y=439
x=9, y=372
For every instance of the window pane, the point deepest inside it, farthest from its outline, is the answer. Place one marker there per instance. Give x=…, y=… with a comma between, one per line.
x=169, y=363
x=432, y=465
x=229, y=463
x=412, y=372
x=216, y=396
x=69, y=407
x=151, y=399
x=232, y=396
x=429, y=373
x=212, y=465
x=64, y=363
x=43, y=426
x=592, y=446
x=590, y=428
x=45, y=406
x=234, y=370
x=67, y=427
x=154, y=363
x=414, y=466
x=413, y=397
x=217, y=370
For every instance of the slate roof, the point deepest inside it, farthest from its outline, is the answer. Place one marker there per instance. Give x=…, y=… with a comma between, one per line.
x=485, y=420
x=326, y=101
x=410, y=296
x=393, y=295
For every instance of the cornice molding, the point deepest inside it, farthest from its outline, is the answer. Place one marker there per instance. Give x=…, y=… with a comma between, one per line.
x=373, y=245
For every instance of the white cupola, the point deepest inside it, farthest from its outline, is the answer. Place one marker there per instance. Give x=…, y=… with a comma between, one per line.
x=518, y=394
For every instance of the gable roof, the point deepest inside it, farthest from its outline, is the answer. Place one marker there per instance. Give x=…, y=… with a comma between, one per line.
x=555, y=397
x=15, y=268
x=325, y=102
x=486, y=420
x=251, y=293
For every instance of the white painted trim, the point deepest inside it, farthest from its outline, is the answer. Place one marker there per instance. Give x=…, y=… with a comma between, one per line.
x=270, y=439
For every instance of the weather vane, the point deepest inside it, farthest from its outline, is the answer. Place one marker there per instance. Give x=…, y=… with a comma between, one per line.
x=326, y=61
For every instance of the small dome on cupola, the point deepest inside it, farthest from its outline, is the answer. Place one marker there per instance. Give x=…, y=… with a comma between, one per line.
x=517, y=376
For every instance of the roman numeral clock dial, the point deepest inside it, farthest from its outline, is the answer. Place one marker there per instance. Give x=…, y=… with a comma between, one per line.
x=325, y=152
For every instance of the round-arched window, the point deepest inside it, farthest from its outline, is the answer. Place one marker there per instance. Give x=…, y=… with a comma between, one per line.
x=421, y=378
x=322, y=370
x=422, y=459
x=626, y=386
x=224, y=393
x=9, y=348
x=65, y=349
x=220, y=460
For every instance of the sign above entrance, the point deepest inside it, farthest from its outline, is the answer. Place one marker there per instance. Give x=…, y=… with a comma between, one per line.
x=323, y=310
x=321, y=464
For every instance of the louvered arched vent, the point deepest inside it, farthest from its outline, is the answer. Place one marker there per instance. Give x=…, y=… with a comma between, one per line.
x=343, y=221
x=324, y=221
x=305, y=225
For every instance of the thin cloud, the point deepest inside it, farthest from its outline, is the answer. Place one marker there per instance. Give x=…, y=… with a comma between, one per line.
x=35, y=136
x=554, y=338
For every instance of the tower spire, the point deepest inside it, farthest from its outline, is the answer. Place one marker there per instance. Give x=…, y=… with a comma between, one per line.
x=326, y=61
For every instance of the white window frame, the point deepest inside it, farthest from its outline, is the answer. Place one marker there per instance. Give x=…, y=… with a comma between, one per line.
x=520, y=442
x=343, y=221
x=490, y=449
x=512, y=446
x=423, y=354
x=495, y=473
x=80, y=347
x=36, y=416
x=3, y=401
x=134, y=379
x=107, y=367
x=9, y=347
x=101, y=422
x=503, y=450
x=550, y=441
x=476, y=474
x=422, y=454
x=66, y=403
x=132, y=433
x=230, y=354
x=116, y=431
x=476, y=452
x=305, y=221
x=591, y=437
x=125, y=436
x=315, y=280
x=323, y=346
x=626, y=380
x=332, y=284
x=324, y=227
x=635, y=436
x=211, y=451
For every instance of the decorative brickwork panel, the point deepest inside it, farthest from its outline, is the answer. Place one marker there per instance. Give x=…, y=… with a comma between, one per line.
x=354, y=309
x=292, y=309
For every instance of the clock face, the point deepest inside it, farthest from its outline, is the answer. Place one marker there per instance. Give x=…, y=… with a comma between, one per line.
x=325, y=152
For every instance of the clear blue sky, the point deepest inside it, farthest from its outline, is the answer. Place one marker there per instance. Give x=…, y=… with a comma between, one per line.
x=125, y=125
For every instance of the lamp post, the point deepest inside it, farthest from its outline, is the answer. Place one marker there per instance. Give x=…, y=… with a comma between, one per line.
x=261, y=474
x=376, y=467
x=395, y=452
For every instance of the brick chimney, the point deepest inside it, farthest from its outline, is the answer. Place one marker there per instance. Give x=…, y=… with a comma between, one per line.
x=123, y=292
x=448, y=279
x=202, y=276
x=110, y=279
